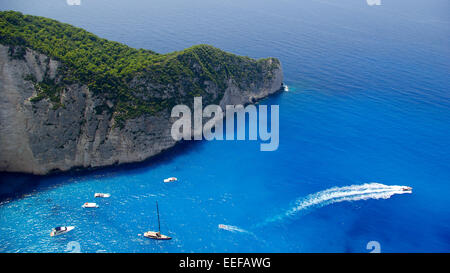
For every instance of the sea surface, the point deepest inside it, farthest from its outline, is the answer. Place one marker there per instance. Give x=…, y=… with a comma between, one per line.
x=368, y=109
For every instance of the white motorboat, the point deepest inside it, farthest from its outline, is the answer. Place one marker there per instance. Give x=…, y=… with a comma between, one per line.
x=90, y=205
x=60, y=230
x=170, y=179
x=102, y=195
x=407, y=188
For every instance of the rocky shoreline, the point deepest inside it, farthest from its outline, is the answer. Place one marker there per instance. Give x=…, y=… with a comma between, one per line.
x=39, y=138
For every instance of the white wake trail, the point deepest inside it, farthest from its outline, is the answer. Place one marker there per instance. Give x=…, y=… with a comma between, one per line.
x=232, y=228
x=340, y=194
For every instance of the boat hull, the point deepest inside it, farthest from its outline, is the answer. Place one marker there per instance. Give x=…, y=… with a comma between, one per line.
x=170, y=179
x=89, y=205
x=154, y=235
x=54, y=233
x=102, y=195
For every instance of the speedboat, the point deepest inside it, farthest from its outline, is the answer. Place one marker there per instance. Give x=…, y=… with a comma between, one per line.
x=406, y=188
x=90, y=205
x=103, y=195
x=60, y=230
x=170, y=179
x=286, y=88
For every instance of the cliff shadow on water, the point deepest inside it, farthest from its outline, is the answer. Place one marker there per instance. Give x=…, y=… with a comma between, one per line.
x=18, y=185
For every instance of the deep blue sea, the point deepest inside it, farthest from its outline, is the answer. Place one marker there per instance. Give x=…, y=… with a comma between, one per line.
x=369, y=101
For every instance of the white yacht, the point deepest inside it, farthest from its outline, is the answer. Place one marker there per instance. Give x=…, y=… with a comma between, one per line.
x=170, y=179
x=407, y=188
x=90, y=205
x=60, y=230
x=102, y=195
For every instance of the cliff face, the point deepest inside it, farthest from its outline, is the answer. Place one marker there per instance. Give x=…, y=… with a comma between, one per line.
x=40, y=136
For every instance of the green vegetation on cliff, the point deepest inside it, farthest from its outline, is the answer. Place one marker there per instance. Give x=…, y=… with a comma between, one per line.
x=122, y=74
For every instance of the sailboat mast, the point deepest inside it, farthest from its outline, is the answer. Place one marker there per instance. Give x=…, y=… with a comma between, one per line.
x=157, y=210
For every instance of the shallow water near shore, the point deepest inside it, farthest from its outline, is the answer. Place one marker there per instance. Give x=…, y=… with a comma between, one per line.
x=368, y=101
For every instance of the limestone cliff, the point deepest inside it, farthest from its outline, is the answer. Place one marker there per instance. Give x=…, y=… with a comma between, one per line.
x=79, y=127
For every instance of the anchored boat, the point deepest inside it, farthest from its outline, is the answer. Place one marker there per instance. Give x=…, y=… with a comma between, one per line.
x=90, y=205
x=102, y=195
x=60, y=230
x=170, y=179
x=156, y=235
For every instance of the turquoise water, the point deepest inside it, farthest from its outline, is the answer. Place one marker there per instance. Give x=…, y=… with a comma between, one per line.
x=369, y=101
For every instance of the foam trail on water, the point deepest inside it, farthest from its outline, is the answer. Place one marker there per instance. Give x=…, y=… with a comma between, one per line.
x=340, y=194
x=247, y=233
x=232, y=228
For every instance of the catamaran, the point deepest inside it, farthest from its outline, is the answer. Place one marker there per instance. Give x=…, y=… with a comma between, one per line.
x=157, y=235
x=60, y=230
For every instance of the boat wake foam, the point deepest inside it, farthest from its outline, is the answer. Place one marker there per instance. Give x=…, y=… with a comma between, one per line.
x=340, y=194
x=232, y=228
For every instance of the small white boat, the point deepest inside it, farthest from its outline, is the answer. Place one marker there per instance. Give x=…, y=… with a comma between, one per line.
x=102, y=195
x=170, y=179
x=90, y=205
x=60, y=230
x=405, y=188
x=286, y=88
x=156, y=235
